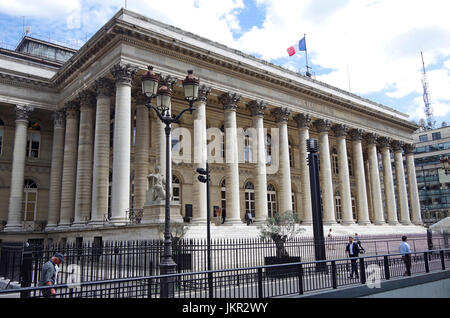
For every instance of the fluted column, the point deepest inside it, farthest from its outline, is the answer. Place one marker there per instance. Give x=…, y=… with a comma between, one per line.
x=100, y=179
x=285, y=192
x=303, y=122
x=120, y=196
x=377, y=199
x=340, y=132
x=69, y=165
x=15, y=217
x=141, y=152
x=54, y=201
x=257, y=108
x=229, y=101
x=361, y=193
x=412, y=185
x=388, y=181
x=200, y=154
x=83, y=194
x=401, y=183
x=326, y=182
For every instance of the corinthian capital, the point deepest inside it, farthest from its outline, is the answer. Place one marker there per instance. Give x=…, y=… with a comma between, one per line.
x=124, y=73
x=409, y=148
x=303, y=120
x=281, y=114
x=203, y=93
x=59, y=119
x=23, y=112
x=371, y=138
x=229, y=100
x=384, y=142
x=168, y=80
x=71, y=109
x=87, y=99
x=340, y=130
x=397, y=145
x=257, y=107
x=356, y=134
x=104, y=87
x=322, y=125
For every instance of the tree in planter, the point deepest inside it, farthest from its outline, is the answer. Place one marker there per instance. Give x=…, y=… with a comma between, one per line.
x=280, y=228
x=178, y=230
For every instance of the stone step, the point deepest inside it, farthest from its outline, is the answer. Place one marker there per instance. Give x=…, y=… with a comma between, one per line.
x=243, y=231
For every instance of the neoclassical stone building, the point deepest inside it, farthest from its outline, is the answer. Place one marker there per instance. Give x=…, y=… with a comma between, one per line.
x=77, y=142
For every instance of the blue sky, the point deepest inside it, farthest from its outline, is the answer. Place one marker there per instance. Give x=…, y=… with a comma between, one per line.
x=369, y=47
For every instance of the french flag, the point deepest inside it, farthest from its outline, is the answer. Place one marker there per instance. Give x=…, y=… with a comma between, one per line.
x=297, y=47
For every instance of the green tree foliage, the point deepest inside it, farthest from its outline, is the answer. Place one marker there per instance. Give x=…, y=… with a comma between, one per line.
x=280, y=228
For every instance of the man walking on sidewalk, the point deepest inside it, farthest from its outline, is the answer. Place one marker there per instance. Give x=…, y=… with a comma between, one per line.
x=48, y=274
x=352, y=251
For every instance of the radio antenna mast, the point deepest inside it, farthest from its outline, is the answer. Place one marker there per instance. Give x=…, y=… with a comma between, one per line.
x=426, y=97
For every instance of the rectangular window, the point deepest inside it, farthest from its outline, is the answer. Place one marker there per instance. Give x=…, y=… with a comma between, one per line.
x=33, y=143
x=335, y=164
x=436, y=135
x=423, y=138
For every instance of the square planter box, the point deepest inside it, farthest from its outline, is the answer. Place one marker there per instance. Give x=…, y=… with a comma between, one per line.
x=281, y=271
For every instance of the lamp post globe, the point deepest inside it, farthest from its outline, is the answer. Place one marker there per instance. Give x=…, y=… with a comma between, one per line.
x=163, y=99
x=190, y=85
x=150, y=82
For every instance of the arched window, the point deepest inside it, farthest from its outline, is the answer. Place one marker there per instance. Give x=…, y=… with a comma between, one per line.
x=2, y=124
x=250, y=198
x=334, y=160
x=268, y=149
x=271, y=200
x=176, y=188
x=337, y=200
x=223, y=193
x=29, y=203
x=33, y=140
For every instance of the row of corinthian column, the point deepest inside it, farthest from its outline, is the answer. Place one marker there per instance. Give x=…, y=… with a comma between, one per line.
x=81, y=153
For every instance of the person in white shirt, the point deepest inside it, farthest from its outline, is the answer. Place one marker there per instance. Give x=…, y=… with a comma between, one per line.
x=405, y=250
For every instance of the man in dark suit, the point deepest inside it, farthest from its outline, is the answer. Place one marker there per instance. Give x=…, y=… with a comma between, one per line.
x=352, y=251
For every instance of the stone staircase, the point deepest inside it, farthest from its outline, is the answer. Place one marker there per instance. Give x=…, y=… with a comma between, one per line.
x=244, y=231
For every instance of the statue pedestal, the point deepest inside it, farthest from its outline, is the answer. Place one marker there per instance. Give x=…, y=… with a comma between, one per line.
x=155, y=213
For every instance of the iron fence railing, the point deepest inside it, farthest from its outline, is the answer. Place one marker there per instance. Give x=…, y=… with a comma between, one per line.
x=255, y=282
x=115, y=260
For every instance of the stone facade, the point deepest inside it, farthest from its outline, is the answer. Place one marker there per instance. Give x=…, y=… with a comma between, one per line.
x=99, y=93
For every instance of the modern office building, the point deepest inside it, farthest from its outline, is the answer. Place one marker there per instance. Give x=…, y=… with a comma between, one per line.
x=433, y=181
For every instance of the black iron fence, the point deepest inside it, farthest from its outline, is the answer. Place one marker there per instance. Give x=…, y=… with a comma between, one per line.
x=256, y=282
x=116, y=260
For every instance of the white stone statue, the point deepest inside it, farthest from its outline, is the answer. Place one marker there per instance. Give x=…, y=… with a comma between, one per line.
x=157, y=187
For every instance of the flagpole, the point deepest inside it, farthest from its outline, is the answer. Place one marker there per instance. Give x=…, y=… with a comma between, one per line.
x=306, y=52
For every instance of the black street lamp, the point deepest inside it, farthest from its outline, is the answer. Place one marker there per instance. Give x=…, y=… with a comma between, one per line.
x=150, y=81
x=316, y=201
